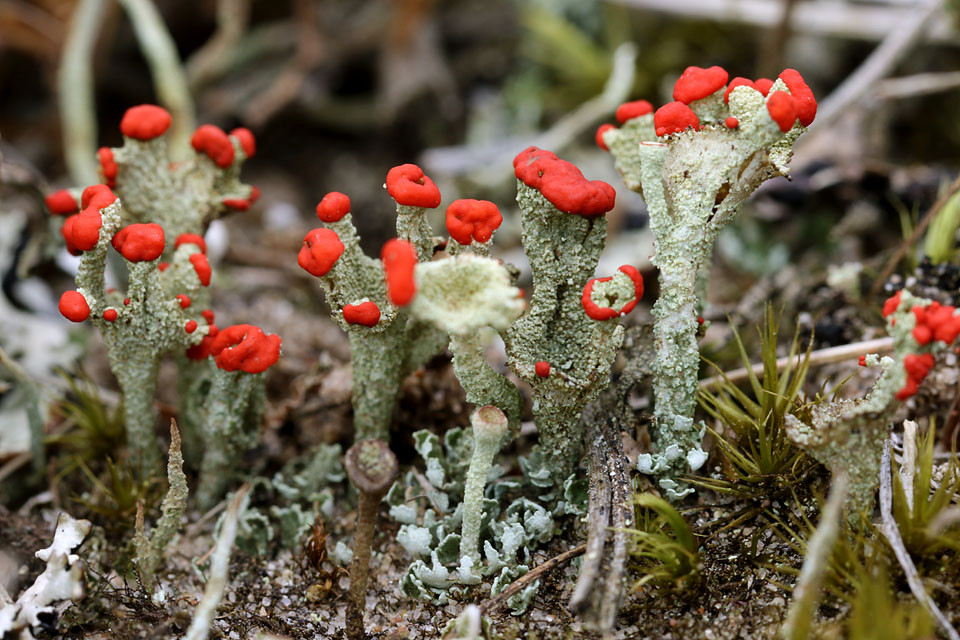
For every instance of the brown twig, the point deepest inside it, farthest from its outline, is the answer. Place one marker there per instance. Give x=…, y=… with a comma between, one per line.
x=530, y=576
x=917, y=232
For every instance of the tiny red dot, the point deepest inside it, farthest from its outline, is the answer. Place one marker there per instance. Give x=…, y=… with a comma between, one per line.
x=184, y=301
x=732, y=122
x=191, y=326
x=126, y=301
x=110, y=315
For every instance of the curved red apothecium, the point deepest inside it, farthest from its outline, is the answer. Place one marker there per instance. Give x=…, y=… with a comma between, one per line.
x=696, y=83
x=140, y=242
x=333, y=207
x=399, y=261
x=562, y=183
x=211, y=141
x=408, y=185
x=630, y=110
x=245, y=347
x=145, y=122
x=674, y=117
x=366, y=313
x=320, y=251
x=74, y=306
x=469, y=220
x=596, y=312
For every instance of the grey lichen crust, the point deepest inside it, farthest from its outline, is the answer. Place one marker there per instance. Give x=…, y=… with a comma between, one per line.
x=563, y=250
x=183, y=197
x=381, y=356
x=150, y=323
x=847, y=436
x=694, y=183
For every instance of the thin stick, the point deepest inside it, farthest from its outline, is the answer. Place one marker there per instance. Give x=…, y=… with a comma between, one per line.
x=806, y=593
x=207, y=607
x=169, y=78
x=75, y=92
x=530, y=576
x=918, y=84
x=820, y=357
x=878, y=65
x=892, y=534
x=917, y=232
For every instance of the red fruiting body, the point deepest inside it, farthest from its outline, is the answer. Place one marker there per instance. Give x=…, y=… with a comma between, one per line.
x=110, y=315
x=140, y=242
x=700, y=320
x=469, y=220
x=917, y=367
x=935, y=322
x=598, y=138
x=399, y=260
x=214, y=143
x=61, y=203
x=320, y=251
x=731, y=122
x=237, y=204
x=191, y=238
x=737, y=82
x=630, y=110
x=191, y=326
x=184, y=301
x=254, y=194
x=74, y=306
x=562, y=183
x=333, y=207
x=542, y=368
x=145, y=122
x=366, y=314
x=202, y=267
x=408, y=185
x=97, y=196
x=804, y=104
x=763, y=85
x=207, y=315
x=674, y=117
x=606, y=313
x=108, y=166
x=202, y=351
x=247, y=142
x=891, y=304
x=126, y=301
x=244, y=347
x=163, y=266
x=697, y=83
x=82, y=231
x=780, y=108
x=862, y=361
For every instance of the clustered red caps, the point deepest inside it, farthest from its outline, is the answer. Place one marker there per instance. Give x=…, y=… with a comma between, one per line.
x=935, y=322
x=804, y=103
x=399, y=261
x=247, y=142
x=108, y=166
x=674, y=117
x=242, y=204
x=597, y=312
x=630, y=110
x=214, y=143
x=245, y=347
x=562, y=183
x=191, y=238
x=320, y=251
x=140, y=242
x=917, y=367
x=696, y=83
x=366, y=313
x=469, y=220
x=74, y=306
x=333, y=207
x=202, y=267
x=61, y=203
x=409, y=186
x=145, y=122
x=81, y=231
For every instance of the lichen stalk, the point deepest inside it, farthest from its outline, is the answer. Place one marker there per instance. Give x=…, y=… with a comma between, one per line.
x=489, y=426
